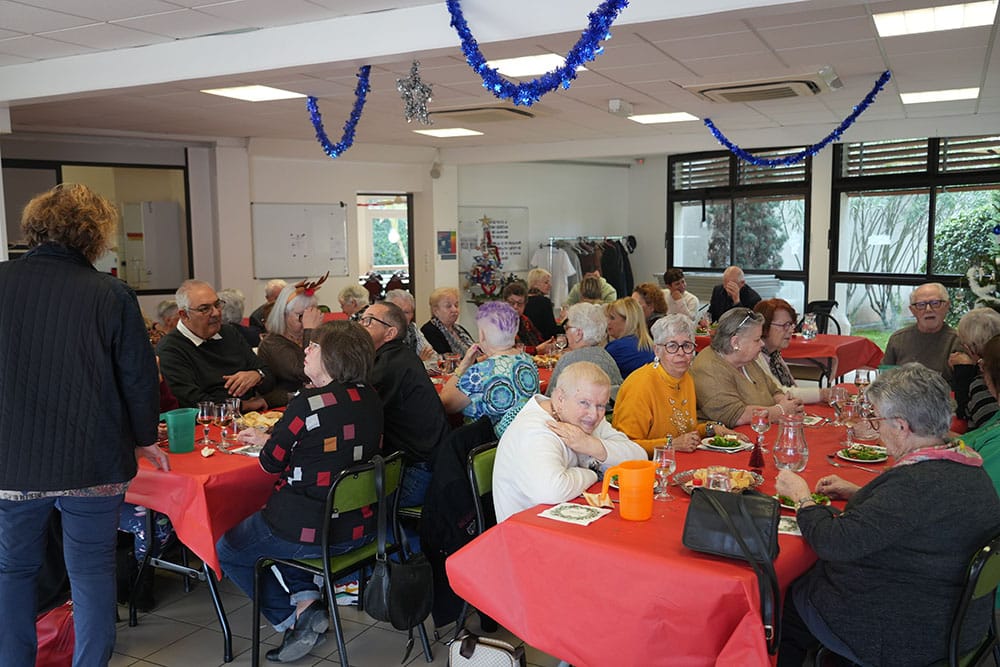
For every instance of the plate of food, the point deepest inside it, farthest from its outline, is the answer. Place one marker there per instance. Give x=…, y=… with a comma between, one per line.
x=739, y=480
x=789, y=504
x=723, y=443
x=261, y=422
x=863, y=454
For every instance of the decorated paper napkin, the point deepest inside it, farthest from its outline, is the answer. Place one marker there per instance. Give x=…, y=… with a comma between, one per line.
x=573, y=513
x=789, y=525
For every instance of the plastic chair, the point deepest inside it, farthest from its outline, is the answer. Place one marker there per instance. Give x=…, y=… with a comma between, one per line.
x=982, y=579
x=479, y=468
x=353, y=489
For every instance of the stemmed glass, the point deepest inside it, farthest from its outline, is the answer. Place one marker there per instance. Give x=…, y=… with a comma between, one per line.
x=862, y=378
x=760, y=422
x=850, y=413
x=666, y=463
x=206, y=415
x=561, y=342
x=838, y=396
x=224, y=418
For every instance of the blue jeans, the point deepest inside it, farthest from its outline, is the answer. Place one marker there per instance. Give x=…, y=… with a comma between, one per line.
x=90, y=527
x=413, y=489
x=239, y=550
x=133, y=520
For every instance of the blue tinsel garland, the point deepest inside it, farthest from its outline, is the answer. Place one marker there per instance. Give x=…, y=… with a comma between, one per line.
x=810, y=150
x=360, y=95
x=586, y=49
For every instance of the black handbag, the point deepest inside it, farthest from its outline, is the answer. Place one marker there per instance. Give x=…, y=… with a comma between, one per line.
x=744, y=526
x=399, y=593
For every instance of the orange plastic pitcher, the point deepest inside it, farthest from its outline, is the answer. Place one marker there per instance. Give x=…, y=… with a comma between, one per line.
x=636, y=480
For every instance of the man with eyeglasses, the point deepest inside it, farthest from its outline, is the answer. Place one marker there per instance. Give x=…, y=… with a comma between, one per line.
x=205, y=360
x=929, y=340
x=414, y=421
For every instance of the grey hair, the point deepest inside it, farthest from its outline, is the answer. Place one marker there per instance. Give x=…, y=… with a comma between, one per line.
x=165, y=308
x=732, y=322
x=273, y=287
x=183, y=294
x=915, y=394
x=232, y=305
x=397, y=295
x=976, y=328
x=356, y=293
x=581, y=372
x=942, y=291
x=672, y=325
x=590, y=320
x=284, y=304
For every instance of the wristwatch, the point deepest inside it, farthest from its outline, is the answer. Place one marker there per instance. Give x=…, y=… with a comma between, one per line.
x=805, y=499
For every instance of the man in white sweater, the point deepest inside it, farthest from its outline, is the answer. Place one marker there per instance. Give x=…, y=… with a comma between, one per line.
x=551, y=451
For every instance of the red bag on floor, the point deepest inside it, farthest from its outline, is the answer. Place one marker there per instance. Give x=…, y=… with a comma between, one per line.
x=55, y=637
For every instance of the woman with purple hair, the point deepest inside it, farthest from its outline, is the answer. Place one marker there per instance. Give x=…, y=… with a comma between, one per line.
x=495, y=379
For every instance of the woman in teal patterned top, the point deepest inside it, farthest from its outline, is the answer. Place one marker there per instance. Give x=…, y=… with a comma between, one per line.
x=986, y=438
x=501, y=383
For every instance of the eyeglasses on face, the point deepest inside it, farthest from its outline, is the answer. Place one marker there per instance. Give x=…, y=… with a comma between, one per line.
x=784, y=325
x=367, y=320
x=933, y=304
x=515, y=302
x=686, y=347
x=206, y=308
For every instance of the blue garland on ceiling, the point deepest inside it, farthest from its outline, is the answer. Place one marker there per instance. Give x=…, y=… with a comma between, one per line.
x=809, y=151
x=334, y=150
x=586, y=49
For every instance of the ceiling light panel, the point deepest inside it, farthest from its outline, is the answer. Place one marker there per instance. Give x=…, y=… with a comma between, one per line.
x=254, y=93
x=654, y=118
x=530, y=65
x=447, y=133
x=940, y=95
x=933, y=19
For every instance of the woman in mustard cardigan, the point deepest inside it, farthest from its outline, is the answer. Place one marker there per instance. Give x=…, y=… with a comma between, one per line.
x=658, y=399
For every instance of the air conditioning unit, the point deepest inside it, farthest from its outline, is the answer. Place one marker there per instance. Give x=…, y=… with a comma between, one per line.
x=769, y=89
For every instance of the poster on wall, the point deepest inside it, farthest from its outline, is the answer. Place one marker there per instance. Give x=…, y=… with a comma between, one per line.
x=447, y=243
x=508, y=227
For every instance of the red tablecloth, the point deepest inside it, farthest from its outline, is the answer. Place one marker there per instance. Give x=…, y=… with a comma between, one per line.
x=618, y=592
x=204, y=497
x=839, y=355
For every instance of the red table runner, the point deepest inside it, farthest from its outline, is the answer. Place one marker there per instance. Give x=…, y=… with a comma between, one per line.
x=629, y=593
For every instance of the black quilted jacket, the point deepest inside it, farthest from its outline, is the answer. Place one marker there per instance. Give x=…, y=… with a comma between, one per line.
x=78, y=380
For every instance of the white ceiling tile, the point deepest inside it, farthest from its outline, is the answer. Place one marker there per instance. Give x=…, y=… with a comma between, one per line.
x=182, y=24
x=6, y=59
x=778, y=20
x=829, y=53
x=27, y=19
x=827, y=32
x=106, y=36
x=105, y=10
x=264, y=13
x=936, y=41
x=732, y=44
x=36, y=48
x=748, y=66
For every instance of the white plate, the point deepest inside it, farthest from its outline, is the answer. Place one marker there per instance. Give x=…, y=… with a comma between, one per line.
x=683, y=479
x=737, y=445
x=842, y=454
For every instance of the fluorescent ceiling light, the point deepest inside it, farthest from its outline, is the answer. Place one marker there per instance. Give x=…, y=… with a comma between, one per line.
x=254, y=93
x=940, y=95
x=449, y=132
x=651, y=118
x=530, y=65
x=931, y=19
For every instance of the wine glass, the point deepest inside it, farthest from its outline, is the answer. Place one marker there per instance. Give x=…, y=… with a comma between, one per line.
x=561, y=342
x=850, y=413
x=760, y=422
x=838, y=396
x=206, y=415
x=862, y=378
x=224, y=419
x=666, y=463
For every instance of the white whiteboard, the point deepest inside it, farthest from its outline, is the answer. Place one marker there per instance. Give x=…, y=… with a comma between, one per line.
x=299, y=240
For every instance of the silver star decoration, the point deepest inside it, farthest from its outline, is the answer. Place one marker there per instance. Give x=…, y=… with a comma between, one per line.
x=416, y=94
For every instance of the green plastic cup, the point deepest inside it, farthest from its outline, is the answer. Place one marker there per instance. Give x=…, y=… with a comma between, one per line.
x=180, y=429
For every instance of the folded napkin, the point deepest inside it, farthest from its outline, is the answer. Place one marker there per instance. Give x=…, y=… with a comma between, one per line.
x=597, y=500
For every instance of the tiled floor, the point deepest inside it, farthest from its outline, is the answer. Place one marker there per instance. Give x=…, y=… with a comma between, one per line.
x=183, y=632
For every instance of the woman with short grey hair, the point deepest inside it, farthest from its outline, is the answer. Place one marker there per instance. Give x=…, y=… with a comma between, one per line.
x=975, y=402
x=353, y=300
x=727, y=379
x=586, y=333
x=232, y=305
x=657, y=401
x=289, y=326
x=903, y=543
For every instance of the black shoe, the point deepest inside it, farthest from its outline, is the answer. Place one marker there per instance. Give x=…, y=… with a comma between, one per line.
x=304, y=636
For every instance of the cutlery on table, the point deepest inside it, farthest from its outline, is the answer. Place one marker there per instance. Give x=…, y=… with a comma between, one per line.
x=838, y=464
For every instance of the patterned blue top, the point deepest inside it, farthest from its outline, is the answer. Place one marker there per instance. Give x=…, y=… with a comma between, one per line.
x=498, y=387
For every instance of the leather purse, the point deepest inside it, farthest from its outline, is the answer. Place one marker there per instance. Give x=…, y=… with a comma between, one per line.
x=399, y=593
x=743, y=526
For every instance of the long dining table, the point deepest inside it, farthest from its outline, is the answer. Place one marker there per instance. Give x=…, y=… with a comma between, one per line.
x=620, y=592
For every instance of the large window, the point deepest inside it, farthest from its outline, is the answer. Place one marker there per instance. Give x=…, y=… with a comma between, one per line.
x=906, y=212
x=723, y=211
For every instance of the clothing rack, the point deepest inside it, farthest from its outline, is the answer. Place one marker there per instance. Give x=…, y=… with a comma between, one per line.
x=594, y=239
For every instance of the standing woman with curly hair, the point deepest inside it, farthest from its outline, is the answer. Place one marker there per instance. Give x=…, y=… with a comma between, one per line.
x=79, y=405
